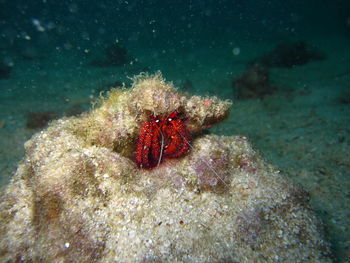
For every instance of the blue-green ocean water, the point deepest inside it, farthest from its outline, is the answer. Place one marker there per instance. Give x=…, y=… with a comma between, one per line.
x=58, y=56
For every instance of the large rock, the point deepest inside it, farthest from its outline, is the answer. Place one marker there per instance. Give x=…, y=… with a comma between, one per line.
x=78, y=196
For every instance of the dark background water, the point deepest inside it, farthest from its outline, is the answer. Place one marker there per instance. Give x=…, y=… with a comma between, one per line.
x=186, y=24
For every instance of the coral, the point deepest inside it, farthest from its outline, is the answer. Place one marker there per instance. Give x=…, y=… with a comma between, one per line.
x=254, y=83
x=78, y=193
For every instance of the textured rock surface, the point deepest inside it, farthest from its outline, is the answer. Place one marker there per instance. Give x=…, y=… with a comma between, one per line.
x=78, y=194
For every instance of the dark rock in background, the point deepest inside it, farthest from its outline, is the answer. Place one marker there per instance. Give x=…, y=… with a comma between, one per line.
x=254, y=83
x=115, y=55
x=290, y=54
x=40, y=119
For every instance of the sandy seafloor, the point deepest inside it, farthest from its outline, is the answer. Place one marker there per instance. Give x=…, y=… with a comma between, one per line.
x=303, y=128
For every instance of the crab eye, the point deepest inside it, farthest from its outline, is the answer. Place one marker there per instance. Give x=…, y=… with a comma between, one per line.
x=157, y=120
x=170, y=119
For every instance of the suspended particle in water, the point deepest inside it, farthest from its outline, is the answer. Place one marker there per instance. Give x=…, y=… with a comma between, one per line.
x=236, y=51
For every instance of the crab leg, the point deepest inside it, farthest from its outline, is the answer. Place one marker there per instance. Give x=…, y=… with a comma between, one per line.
x=178, y=136
x=143, y=145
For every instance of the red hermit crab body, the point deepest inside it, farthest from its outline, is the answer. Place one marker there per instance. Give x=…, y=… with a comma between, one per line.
x=160, y=138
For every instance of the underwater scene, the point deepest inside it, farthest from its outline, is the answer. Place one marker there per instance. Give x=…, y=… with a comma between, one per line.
x=174, y=131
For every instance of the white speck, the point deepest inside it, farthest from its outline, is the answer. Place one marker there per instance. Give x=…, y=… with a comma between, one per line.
x=170, y=119
x=66, y=245
x=35, y=22
x=236, y=51
x=38, y=25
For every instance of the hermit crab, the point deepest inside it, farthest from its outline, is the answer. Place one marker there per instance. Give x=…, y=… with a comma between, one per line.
x=161, y=137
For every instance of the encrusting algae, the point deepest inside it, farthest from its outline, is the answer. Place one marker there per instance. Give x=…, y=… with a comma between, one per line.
x=78, y=195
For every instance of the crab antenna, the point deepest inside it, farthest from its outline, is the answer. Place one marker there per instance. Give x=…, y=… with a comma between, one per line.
x=161, y=148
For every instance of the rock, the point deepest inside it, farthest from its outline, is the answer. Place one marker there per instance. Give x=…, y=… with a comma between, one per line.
x=5, y=71
x=39, y=119
x=78, y=194
x=253, y=84
x=290, y=54
x=115, y=55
